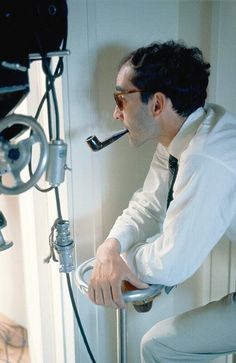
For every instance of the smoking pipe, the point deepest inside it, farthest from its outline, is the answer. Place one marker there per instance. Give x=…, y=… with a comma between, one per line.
x=97, y=145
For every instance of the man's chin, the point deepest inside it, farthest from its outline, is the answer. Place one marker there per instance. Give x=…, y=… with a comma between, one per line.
x=135, y=142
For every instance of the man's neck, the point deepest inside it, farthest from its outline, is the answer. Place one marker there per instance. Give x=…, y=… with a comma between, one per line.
x=173, y=123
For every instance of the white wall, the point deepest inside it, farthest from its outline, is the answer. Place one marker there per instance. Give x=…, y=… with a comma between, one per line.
x=12, y=300
x=100, y=33
x=223, y=257
x=100, y=185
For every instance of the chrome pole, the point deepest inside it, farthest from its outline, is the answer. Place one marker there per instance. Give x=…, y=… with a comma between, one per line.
x=130, y=296
x=121, y=325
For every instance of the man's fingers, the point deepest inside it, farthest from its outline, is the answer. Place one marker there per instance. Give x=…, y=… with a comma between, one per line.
x=117, y=297
x=108, y=298
x=136, y=282
x=102, y=295
x=91, y=293
x=106, y=280
x=99, y=300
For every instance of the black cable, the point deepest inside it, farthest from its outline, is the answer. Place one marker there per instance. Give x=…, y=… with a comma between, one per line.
x=43, y=190
x=41, y=105
x=78, y=319
x=58, y=204
x=51, y=80
x=50, y=132
x=58, y=72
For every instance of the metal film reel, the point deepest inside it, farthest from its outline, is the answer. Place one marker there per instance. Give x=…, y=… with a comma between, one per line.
x=16, y=154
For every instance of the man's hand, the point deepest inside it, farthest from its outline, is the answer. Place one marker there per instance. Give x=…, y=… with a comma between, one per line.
x=108, y=273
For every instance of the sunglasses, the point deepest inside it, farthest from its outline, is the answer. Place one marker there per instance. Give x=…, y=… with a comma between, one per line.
x=119, y=97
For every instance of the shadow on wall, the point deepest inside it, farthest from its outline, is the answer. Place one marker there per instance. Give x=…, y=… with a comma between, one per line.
x=124, y=167
x=103, y=84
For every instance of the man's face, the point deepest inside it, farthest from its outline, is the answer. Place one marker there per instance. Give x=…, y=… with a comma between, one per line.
x=135, y=115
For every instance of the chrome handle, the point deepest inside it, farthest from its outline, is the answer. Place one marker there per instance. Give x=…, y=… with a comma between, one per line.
x=131, y=296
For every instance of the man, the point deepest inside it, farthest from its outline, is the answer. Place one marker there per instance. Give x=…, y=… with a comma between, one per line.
x=161, y=92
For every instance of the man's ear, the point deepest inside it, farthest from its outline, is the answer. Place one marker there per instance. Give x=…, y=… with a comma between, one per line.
x=159, y=102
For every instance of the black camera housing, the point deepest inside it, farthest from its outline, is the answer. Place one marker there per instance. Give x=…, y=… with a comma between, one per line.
x=26, y=27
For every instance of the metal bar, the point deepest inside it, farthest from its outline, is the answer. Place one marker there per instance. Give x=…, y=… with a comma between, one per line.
x=121, y=317
x=59, y=53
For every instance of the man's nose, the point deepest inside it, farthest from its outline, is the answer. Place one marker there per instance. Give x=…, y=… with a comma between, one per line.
x=117, y=114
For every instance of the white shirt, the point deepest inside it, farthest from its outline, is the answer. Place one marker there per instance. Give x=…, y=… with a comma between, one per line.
x=203, y=208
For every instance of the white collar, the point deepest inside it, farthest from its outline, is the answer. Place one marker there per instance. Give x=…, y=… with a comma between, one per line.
x=186, y=132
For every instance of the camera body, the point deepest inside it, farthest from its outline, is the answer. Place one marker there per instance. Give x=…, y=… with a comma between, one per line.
x=26, y=27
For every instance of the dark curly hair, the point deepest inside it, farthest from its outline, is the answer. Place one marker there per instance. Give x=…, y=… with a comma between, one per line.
x=173, y=68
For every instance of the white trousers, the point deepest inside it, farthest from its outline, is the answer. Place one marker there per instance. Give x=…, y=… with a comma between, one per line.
x=199, y=335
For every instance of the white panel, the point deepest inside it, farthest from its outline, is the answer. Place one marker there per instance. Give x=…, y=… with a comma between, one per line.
x=84, y=198
x=100, y=33
x=135, y=23
x=226, y=70
x=224, y=75
x=11, y=265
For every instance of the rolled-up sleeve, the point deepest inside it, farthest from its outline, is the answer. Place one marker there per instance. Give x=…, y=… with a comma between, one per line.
x=145, y=214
